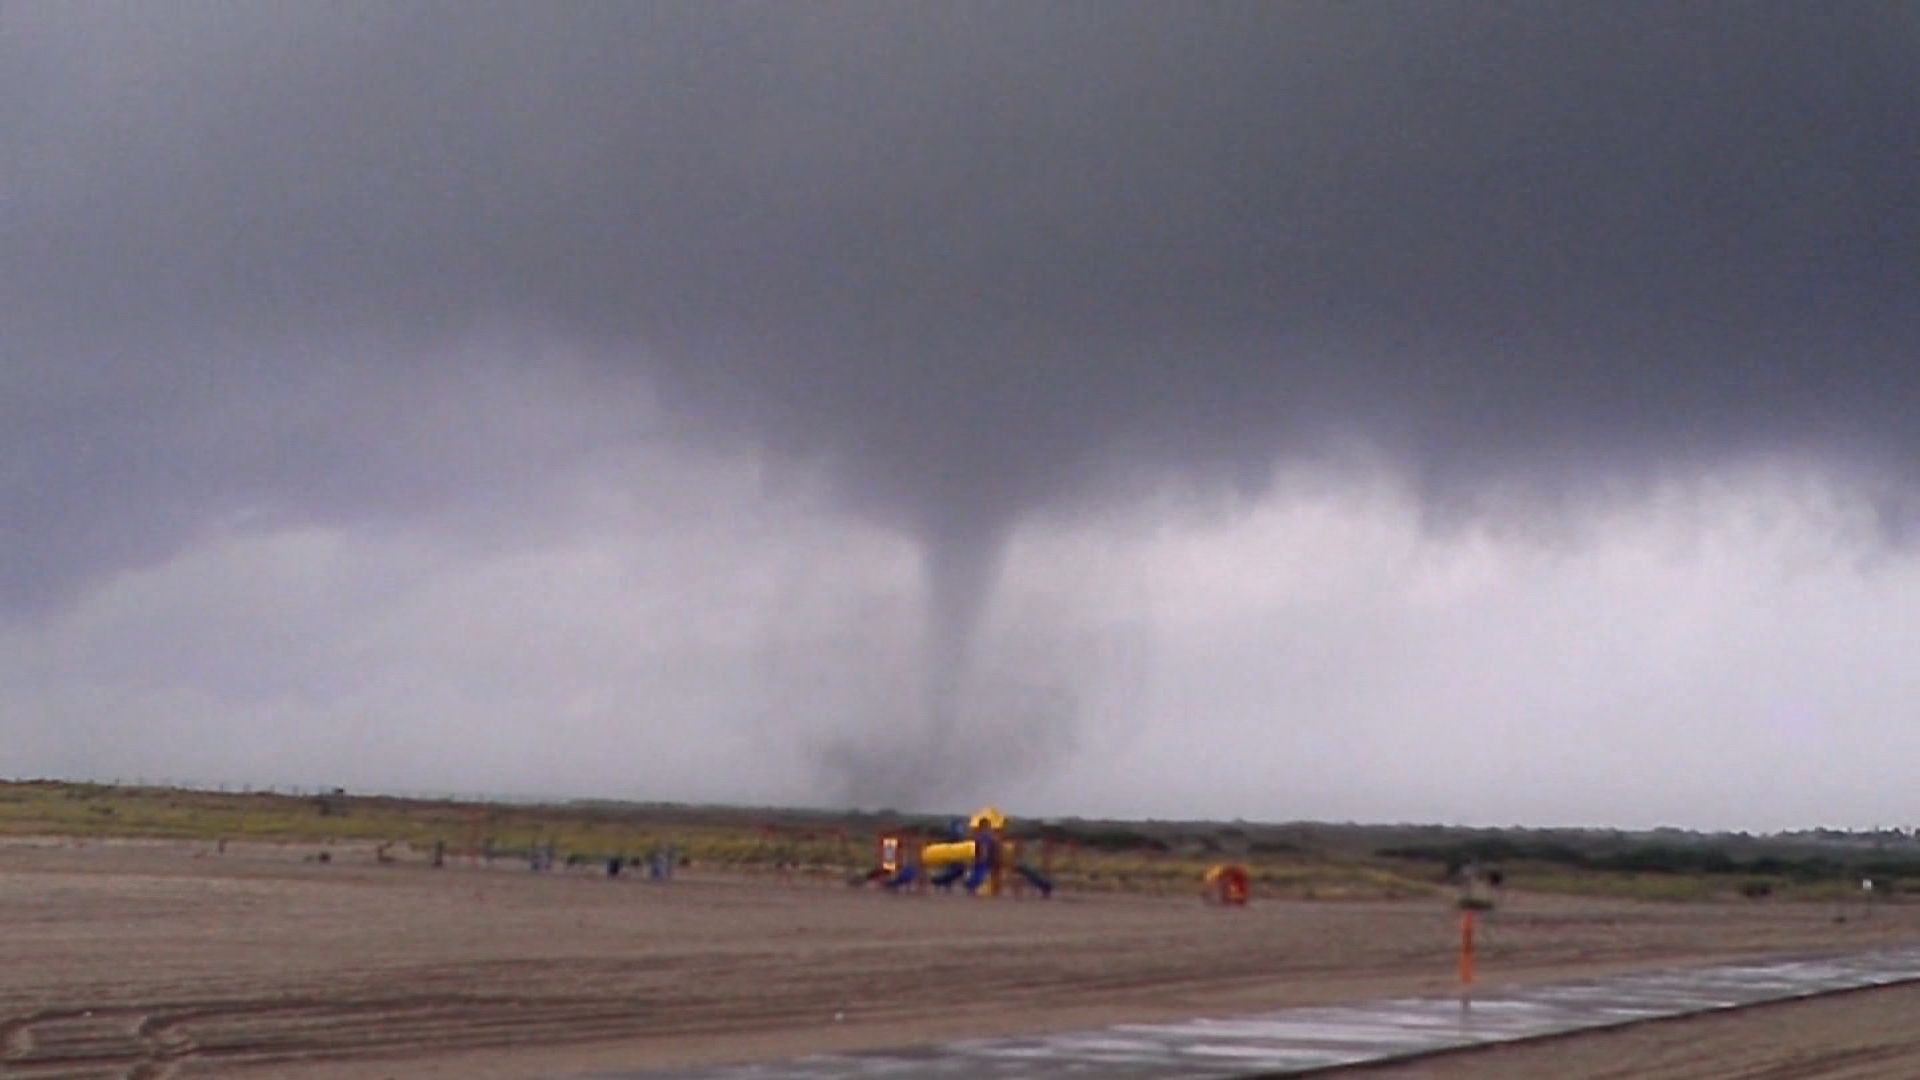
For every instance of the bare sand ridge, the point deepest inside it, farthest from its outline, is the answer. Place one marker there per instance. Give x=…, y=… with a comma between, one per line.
x=166, y=960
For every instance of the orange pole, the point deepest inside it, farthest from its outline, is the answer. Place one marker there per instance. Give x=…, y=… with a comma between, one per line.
x=1466, y=950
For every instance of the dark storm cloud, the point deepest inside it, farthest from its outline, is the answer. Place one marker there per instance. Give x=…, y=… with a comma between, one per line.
x=974, y=258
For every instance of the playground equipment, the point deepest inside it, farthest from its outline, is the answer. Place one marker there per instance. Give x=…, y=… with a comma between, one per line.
x=1227, y=883
x=977, y=854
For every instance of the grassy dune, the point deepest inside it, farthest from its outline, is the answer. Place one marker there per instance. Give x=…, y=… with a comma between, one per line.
x=1300, y=860
x=1098, y=856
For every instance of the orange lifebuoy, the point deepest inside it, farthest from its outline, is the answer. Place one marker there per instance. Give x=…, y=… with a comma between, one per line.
x=1228, y=883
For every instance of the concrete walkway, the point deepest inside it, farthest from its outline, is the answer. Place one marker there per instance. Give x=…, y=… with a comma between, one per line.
x=1293, y=1041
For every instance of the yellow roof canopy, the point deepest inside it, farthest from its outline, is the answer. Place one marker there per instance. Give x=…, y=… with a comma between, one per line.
x=988, y=817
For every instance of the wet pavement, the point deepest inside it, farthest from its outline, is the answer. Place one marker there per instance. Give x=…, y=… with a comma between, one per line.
x=1300, y=1040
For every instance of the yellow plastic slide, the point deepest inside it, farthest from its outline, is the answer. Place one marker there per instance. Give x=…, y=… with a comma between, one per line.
x=959, y=851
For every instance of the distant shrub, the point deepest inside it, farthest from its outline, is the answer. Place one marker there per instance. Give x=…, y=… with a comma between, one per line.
x=1662, y=858
x=1118, y=839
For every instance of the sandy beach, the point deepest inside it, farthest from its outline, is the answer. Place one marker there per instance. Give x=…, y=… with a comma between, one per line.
x=149, y=960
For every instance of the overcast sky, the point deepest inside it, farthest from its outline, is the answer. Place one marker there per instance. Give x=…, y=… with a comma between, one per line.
x=1478, y=412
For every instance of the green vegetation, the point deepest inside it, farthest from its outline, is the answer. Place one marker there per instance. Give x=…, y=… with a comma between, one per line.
x=1806, y=867
x=1087, y=856
x=1303, y=860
